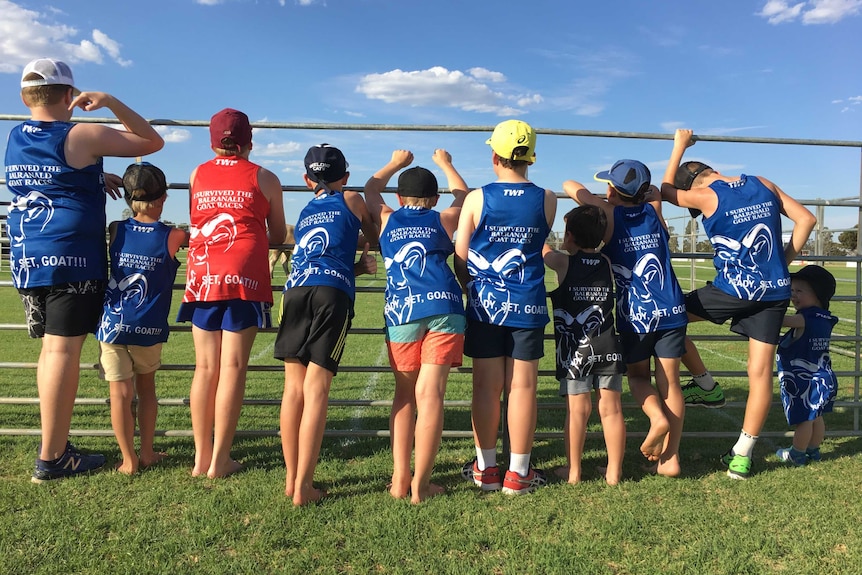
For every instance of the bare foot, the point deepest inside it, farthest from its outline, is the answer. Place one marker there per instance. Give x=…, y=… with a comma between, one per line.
x=306, y=496
x=398, y=488
x=151, y=458
x=570, y=474
x=433, y=490
x=609, y=479
x=228, y=469
x=669, y=468
x=653, y=445
x=127, y=467
x=201, y=466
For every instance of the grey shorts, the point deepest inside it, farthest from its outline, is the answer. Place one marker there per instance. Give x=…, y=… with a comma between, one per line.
x=593, y=381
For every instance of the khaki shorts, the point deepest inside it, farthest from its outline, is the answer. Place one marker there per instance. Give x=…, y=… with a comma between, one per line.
x=122, y=362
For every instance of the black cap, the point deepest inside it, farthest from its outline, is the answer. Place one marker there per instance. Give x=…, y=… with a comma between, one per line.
x=686, y=174
x=144, y=182
x=417, y=182
x=821, y=281
x=325, y=164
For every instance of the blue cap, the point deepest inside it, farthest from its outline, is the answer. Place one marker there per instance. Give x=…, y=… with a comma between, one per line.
x=628, y=177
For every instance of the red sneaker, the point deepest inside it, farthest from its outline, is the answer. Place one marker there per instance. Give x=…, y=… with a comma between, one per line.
x=488, y=479
x=514, y=484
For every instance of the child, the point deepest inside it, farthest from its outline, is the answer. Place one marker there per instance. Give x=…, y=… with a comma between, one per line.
x=589, y=353
x=56, y=228
x=650, y=310
x=742, y=217
x=424, y=311
x=318, y=301
x=135, y=318
x=236, y=212
x=498, y=260
x=808, y=384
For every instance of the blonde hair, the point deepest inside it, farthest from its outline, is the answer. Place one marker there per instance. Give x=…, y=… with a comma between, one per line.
x=419, y=202
x=42, y=95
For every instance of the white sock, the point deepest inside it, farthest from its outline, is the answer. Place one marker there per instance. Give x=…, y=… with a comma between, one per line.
x=704, y=381
x=486, y=458
x=519, y=463
x=745, y=444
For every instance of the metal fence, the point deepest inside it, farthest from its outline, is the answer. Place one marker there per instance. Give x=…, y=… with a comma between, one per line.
x=853, y=340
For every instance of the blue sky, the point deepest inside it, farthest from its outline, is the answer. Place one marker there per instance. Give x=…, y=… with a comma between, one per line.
x=757, y=69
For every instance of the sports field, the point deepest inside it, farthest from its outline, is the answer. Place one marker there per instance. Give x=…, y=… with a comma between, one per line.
x=782, y=520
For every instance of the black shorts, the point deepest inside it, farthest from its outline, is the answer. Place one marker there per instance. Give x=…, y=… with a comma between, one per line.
x=663, y=343
x=760, y=320
x=314, y=325
x=67, y=310
x=484, y=340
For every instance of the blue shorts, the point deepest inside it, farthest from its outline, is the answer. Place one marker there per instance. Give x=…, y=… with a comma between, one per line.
x=484, y=340
x=229, y=315
x=638, y=347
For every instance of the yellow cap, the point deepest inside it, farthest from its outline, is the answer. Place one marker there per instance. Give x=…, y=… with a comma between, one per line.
x=514, y=140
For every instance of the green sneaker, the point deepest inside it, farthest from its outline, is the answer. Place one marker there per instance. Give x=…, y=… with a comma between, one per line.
x=738, y=466
x=695, y=395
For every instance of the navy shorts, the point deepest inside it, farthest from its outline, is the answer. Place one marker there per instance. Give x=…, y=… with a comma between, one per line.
x=663, y=343
x=228, y=315
x=314, y=325
x=67, y=310
x=760, y=320
x=484, y=340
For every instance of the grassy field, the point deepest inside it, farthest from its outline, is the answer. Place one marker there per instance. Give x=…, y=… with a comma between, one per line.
x=782, y=520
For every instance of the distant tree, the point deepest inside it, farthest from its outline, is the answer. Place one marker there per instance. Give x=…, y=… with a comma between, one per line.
x=673, y=243
x=849, y=239
x=691, y=228
x=704, y=246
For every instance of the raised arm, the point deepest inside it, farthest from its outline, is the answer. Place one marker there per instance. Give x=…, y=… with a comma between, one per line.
x=470, y=213
x=456, y=184
x=803, y=221
x=583, y=197
x=89, y=142
x=701, y=199
x=377, y=183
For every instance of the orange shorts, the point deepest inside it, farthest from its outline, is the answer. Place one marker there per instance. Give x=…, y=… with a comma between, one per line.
x=419, y=342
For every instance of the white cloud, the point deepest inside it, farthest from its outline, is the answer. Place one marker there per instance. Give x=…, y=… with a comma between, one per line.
x=811, y=11
x=173, y=135
x=29, y=34
x=112, y=47
x=485, y=74
x=671, y=126
x=778, y=11
x=438, y=86
x=831, y=11
x=855, y=99
x=272, y=150
x=209, y=2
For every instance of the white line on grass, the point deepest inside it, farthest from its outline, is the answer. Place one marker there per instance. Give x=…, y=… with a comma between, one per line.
x=356, y=416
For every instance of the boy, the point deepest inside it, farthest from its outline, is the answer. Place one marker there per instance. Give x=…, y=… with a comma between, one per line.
x=236, y=212
x=808, y=384
x=424, y=311
x=498, y=260
x=742, y=217
x=135, y=318
x=589, y=353
x=56, y=227
x=317, y=311
x=651, y=316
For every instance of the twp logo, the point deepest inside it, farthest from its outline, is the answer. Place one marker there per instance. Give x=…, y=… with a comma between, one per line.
x=225, y=162
x=513, y=192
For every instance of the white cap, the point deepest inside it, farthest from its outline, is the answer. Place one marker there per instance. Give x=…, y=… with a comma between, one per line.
x=53, y=72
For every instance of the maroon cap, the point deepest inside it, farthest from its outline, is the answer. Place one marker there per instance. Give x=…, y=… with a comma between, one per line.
x=230, y=123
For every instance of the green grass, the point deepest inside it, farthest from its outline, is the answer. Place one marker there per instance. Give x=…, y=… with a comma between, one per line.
x=782, y=520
